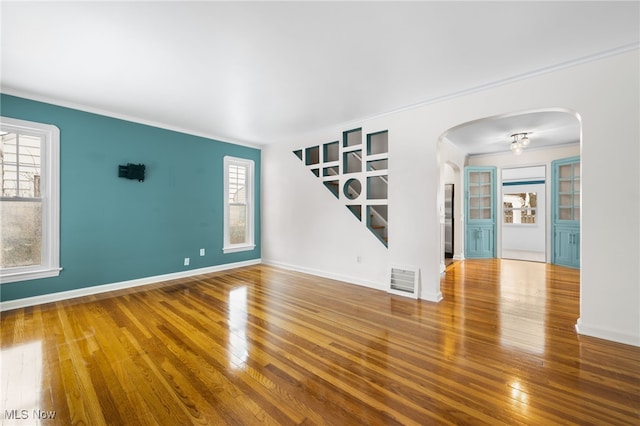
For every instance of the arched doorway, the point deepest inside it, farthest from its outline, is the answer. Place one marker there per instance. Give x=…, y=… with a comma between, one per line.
x=554, y=134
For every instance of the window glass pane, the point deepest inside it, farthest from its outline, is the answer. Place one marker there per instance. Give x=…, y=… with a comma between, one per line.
x=565, y=171
x=508, y=216
x=564, y=186
x=576, y=213
x=21, y=237
x=520, y=200
x=20, y=165
x=576, y=170
x=29, y=181
x=564, y=213
x=237, y=223
x=527, y=216
x=237, y=184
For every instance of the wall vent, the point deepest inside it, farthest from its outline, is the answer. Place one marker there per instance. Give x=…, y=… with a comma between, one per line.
x=404, y=281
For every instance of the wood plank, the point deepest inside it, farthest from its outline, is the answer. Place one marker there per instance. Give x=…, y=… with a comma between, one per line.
x=263, y=345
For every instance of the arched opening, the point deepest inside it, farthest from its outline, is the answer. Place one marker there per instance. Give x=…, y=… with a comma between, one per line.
x=554, y=134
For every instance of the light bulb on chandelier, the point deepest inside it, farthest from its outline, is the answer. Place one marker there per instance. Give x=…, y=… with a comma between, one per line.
x=519, y=142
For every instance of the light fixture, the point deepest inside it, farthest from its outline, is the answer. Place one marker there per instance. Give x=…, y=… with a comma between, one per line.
x=519, y=142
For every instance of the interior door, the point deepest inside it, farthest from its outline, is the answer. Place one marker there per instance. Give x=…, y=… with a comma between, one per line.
x=480, y=212
x=566, y=212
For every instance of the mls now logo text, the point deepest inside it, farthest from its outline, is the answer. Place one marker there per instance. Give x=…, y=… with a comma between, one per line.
x=29, y=414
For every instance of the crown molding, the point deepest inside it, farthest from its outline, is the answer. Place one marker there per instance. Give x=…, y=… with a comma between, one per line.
x=93, y=110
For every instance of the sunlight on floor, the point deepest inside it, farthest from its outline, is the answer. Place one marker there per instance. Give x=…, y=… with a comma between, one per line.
x=238, y=346
x=522, y=299
x=21, y=368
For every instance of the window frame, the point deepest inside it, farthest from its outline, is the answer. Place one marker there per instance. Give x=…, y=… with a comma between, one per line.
x=50, y=198
x=249, y=244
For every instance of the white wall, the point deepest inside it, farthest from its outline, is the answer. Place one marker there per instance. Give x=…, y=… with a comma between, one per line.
x=450, y=157
x=304, y=229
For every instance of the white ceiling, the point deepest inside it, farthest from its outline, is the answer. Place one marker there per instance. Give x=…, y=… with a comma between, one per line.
x=262, y=72
x=491, y=135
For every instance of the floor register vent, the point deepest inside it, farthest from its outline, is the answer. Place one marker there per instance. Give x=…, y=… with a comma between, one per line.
x=404, y=281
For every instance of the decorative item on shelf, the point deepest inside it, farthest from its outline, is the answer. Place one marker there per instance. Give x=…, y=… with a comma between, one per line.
x=132, y=171
x=519, y=142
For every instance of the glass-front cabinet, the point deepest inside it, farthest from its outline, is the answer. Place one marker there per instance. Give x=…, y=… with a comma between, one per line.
x=565, y=176
x=480, y=202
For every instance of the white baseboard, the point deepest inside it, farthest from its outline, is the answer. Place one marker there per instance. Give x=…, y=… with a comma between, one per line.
x=88, y=291
x=602, y=333
x=431, y=297
x=458, y=257
x=326, y=274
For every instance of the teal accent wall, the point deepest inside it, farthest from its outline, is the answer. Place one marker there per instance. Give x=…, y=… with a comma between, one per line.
x=114, y=229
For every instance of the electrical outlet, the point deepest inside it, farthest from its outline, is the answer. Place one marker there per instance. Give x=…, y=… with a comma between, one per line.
x=359, y=259
x=186, y=261
x=201, y=252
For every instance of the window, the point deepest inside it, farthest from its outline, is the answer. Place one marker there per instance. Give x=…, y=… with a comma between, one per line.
x=520, y=208
x=238, y=209
x=29, y=201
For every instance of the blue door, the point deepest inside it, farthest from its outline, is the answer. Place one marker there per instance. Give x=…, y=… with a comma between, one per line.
x=565, y=209
x=480, y=212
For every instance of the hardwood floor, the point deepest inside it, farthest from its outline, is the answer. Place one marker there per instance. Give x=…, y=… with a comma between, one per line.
x=262, y=345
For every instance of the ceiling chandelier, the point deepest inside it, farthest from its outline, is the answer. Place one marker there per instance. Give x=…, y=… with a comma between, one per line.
x=519, y=142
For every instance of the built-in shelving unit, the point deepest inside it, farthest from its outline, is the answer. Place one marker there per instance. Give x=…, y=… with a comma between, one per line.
x=355, y=171
x=565, y=178
x=480, y=225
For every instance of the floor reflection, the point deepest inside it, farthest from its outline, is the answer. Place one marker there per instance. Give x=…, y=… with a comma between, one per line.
x=522, y=305
x=519, y=396
x=238, y=346
x=21, y=369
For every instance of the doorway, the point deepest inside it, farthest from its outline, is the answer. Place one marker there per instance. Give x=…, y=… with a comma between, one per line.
x=449, y=226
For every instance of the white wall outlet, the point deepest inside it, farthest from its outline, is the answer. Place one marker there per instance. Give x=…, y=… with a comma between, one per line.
x=201, y=252
x=186, y=261
x=359, y=259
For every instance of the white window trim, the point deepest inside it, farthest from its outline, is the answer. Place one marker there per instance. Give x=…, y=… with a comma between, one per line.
x=50, y=154
x=249, y=194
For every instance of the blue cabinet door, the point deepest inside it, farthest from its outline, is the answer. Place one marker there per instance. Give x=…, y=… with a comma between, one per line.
x=567, y=246
x=480, y=241
x=565, y=208
x=480, y=212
